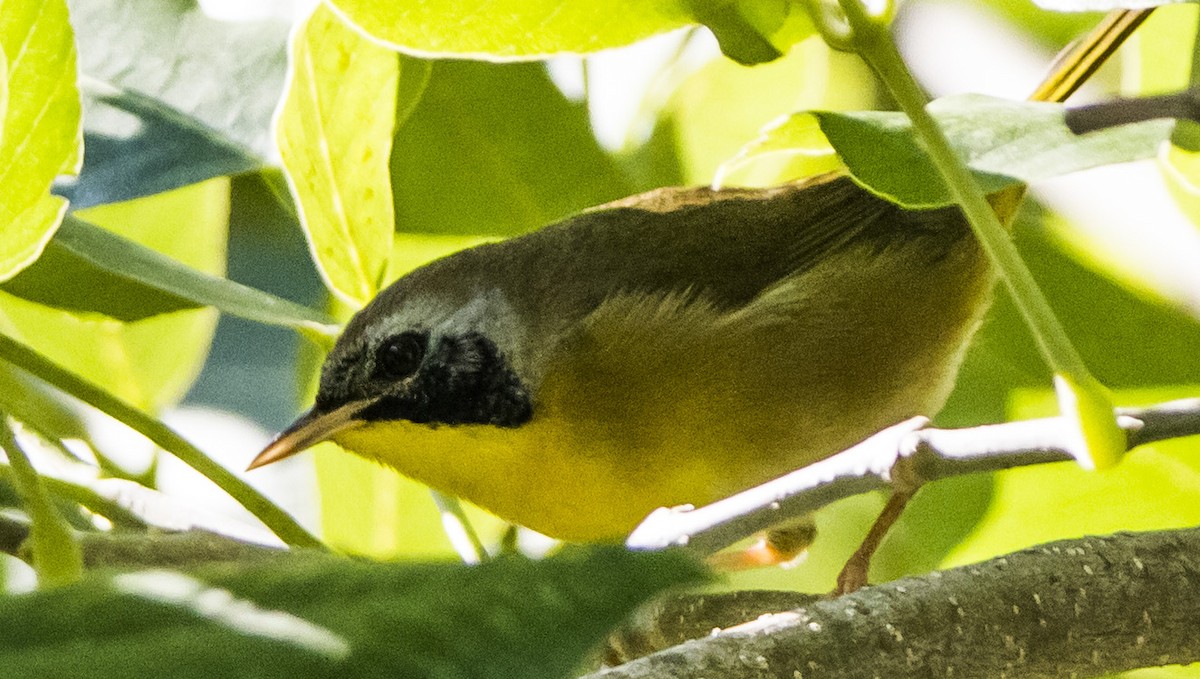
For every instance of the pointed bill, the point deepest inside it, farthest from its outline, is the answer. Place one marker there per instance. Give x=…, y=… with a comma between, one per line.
x=311, y=429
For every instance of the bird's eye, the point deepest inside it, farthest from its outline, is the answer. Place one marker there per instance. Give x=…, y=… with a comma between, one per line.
x=401, y=355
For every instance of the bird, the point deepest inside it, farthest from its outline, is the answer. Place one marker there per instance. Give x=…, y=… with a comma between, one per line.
x=669, y=348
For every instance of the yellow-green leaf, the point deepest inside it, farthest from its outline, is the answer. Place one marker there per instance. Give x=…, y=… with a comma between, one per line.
x=334, y=131
x=42, y=135
x=152, y=362
x=500, y=30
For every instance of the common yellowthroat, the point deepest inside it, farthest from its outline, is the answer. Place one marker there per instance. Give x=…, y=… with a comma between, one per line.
x=670, y=348
x=674, y=347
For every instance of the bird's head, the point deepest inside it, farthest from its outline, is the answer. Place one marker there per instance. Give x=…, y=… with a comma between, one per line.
x=418, y=359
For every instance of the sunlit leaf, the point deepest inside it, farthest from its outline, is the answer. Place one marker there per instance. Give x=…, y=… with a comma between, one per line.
x=523, y=29
x=173, y=96
x=41, y=135
x=498, y=150
x=1005, y=143
x=331, y=617
x=334, y=130
x=513, y=29
x=152, y=362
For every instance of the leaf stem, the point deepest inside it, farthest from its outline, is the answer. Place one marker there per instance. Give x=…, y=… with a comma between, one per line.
x=57, y=558
x=277, y=520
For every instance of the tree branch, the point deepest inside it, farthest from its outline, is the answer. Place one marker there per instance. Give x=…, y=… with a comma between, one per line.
x=905, y=455
x=1078, y=608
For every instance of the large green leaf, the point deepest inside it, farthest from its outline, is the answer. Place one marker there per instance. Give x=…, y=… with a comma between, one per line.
x=750, y=31
x=89, y=269
x=1004, y=142
x=41, y=134
x=151, y=362
x=334, y=130
x=496, y=149
x=327, y=617
x=174, y=97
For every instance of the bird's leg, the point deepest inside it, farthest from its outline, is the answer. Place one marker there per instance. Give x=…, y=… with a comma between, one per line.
x=854, y=574
x=780, y=546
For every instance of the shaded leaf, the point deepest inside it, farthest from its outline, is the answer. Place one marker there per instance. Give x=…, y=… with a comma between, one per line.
x=334, y=130
x=496, y=149
x=328, y=617
x=741, y=27
x=1005, y=143
x=138, y=146
x=41, y=135
x=163, y=70
x=89, y=269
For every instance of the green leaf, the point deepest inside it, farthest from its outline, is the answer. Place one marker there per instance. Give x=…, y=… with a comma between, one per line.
x=1005, y=144
x=512, y=29
x=496, y=150
x=89, y=269
x=41, y=135
x=197, y=112
x=329, y=617
x=754, y=30
x=132, y=359
x=334, y=130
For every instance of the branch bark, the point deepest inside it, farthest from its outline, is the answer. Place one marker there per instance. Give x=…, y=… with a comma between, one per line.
x=1075, y=608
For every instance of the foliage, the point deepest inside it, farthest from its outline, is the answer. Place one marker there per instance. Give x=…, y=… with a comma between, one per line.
x=382, y=135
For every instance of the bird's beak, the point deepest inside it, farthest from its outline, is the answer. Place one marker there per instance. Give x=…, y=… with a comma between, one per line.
x=309, y=430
